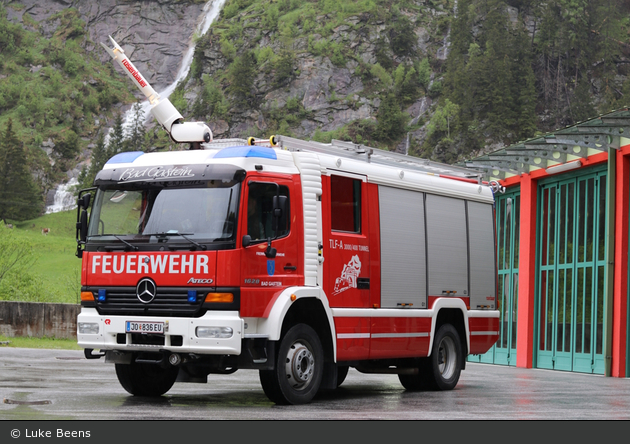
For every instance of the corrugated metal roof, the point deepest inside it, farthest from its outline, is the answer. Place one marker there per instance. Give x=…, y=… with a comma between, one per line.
x=578, y=141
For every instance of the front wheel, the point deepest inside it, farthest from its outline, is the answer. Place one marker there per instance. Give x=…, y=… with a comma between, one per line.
x=299, y=368
x=146, y=379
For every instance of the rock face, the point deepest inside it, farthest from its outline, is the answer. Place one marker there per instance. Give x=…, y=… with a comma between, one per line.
x=154, y=34
x=332, y=94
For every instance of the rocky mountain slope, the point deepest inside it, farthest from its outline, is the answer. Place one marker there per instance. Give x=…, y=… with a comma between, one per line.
x=154, y=34
x=444, y=79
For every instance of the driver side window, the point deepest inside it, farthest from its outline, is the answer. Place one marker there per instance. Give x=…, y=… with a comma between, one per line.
x=260, y=211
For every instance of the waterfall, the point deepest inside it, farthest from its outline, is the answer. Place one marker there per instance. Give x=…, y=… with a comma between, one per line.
x=65, y=199
x=211, y=11
x=442, y=53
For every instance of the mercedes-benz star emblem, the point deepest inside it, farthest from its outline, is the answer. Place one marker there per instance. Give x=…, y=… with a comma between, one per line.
x=146, y=290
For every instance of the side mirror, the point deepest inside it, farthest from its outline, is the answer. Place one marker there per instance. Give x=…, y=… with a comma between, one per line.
x=84, y=201
x=247, y=239
x=83, y=228
x=270, y=252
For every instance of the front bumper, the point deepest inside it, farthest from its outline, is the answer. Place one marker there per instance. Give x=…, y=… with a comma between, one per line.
x=181, y=335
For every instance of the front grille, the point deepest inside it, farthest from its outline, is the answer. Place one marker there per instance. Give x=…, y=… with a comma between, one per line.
x=168, y=301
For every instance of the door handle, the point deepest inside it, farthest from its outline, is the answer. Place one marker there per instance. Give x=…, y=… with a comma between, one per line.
x=290, y=268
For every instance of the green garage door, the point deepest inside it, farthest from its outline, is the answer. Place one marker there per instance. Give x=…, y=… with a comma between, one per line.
x=507, y=223
x=571, y=271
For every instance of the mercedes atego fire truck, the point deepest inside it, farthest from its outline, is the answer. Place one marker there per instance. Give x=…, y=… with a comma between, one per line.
x=294, y=258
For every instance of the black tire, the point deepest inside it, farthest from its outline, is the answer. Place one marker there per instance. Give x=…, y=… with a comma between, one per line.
x=342, y=372
x=146, y=379
x=441, y=370
x=445, y=362
x=299, y=368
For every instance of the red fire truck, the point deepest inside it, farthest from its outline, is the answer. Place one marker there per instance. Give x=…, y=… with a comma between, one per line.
x=295, y=258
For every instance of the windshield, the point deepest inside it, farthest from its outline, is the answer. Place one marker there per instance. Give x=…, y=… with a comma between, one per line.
x=205, y=212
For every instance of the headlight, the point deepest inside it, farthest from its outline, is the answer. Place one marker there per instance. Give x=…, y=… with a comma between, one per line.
x=88, y=328
x=214, y=332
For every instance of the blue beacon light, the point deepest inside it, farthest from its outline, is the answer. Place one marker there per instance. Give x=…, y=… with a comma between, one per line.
x=192, y=296
x=102, y=295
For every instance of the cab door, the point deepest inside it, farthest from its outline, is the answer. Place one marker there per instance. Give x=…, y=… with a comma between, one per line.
x=271, y=244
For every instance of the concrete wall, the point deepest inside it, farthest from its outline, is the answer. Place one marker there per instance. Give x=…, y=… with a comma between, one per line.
x=38, y=319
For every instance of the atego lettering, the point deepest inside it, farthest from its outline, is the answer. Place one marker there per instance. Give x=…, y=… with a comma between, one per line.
x=143, y=264
x=199, y=281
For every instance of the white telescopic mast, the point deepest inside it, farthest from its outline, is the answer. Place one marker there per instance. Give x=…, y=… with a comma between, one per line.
x=163, y=110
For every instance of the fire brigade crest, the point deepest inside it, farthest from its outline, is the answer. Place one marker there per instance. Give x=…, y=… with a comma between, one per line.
x=349, y=276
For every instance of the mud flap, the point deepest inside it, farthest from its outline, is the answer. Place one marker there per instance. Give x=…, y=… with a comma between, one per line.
x=329, y=378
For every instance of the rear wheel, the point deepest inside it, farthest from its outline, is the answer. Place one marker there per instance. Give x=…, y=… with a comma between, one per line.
x=298, y=370
x=441, y=370
x=445, y=360
x=146, y=379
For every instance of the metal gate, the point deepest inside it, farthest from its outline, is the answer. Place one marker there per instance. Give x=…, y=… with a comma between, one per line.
x=507, y=223
x=570, y=273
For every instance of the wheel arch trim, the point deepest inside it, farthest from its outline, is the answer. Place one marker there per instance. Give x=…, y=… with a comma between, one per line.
x=271, y=326
x=445, y=303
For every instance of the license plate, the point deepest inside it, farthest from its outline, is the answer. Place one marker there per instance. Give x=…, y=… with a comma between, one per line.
x=144, y=327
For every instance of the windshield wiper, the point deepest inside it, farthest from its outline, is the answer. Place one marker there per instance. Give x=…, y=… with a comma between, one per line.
x=133, y=247
x=175, y=233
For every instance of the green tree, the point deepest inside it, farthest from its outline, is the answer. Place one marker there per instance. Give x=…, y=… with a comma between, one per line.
x=443, y=120
x=196, y=68
x=241, y=75
x=407, y=83
x=20, y=199
x=402, y=38
x=582, y=108
x=97, y=160
x=390, y=119
x=136, y=139
x=523, y=87
x=67, y=146
x=284, y=67
x=424, y=72
x=116, y=142
x=210, y=102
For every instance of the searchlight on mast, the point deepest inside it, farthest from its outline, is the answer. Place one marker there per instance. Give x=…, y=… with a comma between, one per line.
x=162, y=109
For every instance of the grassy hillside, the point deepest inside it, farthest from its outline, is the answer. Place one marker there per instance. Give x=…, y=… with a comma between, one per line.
x=54, y=89
x=54, y=275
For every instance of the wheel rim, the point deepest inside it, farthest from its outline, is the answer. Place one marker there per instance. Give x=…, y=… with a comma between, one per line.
x=447, y=358
x=300, y=365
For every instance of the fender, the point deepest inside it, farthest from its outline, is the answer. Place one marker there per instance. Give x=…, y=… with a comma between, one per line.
x=432, y=313
x=271, y=327
x=448, y=303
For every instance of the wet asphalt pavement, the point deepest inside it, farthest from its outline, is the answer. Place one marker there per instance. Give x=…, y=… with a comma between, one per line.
x=63, y=385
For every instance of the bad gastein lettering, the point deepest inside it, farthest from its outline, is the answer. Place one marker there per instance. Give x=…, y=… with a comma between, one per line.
x=154, y=173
